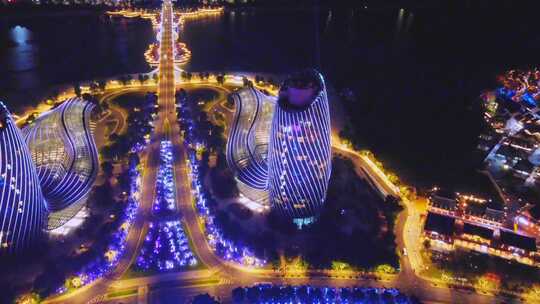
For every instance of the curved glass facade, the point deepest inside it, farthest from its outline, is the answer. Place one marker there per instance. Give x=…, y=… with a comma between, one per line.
x=22, y=208
x=247, y=145
x=65, y=156
x=299, y=155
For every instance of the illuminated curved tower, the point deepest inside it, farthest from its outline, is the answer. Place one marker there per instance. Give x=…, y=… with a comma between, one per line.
x=65, y=156
x=22, y=208
x=299, y=155
x=247, y=144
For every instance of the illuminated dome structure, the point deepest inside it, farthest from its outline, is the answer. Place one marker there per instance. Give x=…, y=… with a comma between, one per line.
x=65, y=155
x=22, y=208
x=299, y=155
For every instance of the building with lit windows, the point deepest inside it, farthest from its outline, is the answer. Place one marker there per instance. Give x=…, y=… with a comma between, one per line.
x=65, y=155
x=247, y=147
x=299, y=154
x=22, y=208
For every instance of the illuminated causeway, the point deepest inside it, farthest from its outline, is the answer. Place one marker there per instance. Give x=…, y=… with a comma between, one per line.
x=166, y=62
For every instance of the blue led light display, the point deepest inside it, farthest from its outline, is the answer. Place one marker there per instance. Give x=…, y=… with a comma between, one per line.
x=299, y=155
x=65, y=155
x=22, y=208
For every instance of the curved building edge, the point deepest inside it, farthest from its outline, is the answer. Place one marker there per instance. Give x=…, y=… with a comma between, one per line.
x=22, y=207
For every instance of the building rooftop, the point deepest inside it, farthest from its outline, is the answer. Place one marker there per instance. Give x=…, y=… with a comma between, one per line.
x=445, y=193
x=533, y=127
x=476, y=209
x=524, y=165
x=518, y=241
x=511, y=106
x=299, y=90
x=480, y=231
x=510, y=152
x=440, y=224
x=522, y=141
x=496, y=215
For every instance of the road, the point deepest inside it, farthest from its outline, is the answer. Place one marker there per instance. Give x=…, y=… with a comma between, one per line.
x=150, y=162
x=171, y=288
x=407, y=232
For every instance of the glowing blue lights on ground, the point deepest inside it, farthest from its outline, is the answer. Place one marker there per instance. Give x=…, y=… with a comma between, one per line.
x=270, y=294
x=107, y=262
x=165, y=196
x=166, y=247
x=224, y=248
x=219, y=244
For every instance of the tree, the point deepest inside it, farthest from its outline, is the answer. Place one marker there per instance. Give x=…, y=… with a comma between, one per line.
x=253, y=295
x=246, y=81
x=103, y=195
x=107, y=168
x=49, y=280
x=122, y=79
x=29, y=298
x=93, y=87
x=107, y=152
x=220, y=79
x=102, y=84
x=77, y=89
x=124, y=181
x=87, y=97
x=238, y=294
x=230, y=101
x=204, y=299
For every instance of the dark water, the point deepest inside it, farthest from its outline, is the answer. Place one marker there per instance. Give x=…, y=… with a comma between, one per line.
x=416, y=73
x=40, y=52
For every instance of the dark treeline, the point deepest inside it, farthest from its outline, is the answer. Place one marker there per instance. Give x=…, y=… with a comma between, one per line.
x=371, y=4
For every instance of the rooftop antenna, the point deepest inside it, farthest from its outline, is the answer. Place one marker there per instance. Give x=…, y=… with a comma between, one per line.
x=317, y=38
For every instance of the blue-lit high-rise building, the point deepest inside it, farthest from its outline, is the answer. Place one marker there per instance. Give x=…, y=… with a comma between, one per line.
x=247, y=145
x=299, y=154
x=22, y=209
